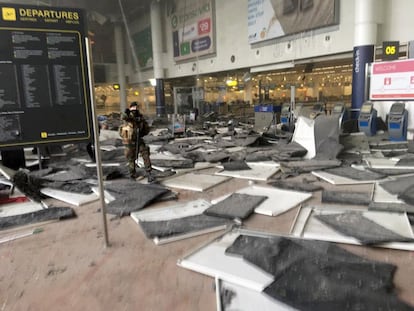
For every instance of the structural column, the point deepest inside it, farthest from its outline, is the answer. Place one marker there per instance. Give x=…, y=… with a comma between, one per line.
x=365, y=33
x=156, y=36
x=120, y=62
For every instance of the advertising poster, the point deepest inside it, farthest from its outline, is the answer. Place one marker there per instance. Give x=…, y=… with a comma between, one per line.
x=44, y=89
x=269, y=19
x=192, y=28
x=392, y=80
x=143, y=48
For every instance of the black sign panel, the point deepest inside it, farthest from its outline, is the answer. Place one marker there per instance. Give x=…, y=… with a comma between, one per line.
x=390, y=50
x=44, y=89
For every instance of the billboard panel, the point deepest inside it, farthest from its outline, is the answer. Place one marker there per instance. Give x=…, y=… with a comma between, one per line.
x=44, y=94
x=192, y=28
x=269, y=19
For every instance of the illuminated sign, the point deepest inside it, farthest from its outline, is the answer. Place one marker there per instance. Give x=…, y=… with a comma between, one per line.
x=390, y=50
x=44, y=94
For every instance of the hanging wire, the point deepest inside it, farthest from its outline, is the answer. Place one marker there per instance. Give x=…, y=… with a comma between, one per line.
x=131, y=43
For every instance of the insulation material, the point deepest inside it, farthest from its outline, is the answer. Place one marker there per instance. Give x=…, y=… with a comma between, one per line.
x=36, y=216
x=343, y=197
x=391, y=207
x=366, y=231
x=260, y=171
x=168, y=160
x=235, y=166
x=76, y=199
x=192, y=208
x=398, y=184
x=408, y=195
x=297, y=186
x=383, y=196
x=188, y=226
x=211, y=260
x=278, y=200
x=355, y=143
x=65, y=176
x=309, y=227
x=339, y=180
x=195, y=182
x=356, y=174
x=328, y=270
x=139, y=197
x=237, y=205
x=386, y=163
x=235, y=297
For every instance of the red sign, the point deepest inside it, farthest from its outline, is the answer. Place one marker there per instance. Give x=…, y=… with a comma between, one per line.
x=204, y=26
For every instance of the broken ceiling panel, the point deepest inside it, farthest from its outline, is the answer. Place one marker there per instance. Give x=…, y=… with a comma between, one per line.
x=195, y=182
x=309, y=227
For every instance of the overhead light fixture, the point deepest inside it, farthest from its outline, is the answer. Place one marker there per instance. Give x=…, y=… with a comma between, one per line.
x=153, y=82
x=231, y=82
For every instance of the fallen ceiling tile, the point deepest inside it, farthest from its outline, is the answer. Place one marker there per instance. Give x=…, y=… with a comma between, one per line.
x=70, y=197
x=212, y=261
x=195, y=182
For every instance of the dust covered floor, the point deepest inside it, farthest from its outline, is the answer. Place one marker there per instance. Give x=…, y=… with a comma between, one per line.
x=67, y=267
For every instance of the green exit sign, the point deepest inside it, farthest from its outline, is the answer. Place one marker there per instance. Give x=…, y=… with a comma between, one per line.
x=390, y=50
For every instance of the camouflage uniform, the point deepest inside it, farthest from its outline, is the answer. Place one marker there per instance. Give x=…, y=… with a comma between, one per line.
x=134, y=125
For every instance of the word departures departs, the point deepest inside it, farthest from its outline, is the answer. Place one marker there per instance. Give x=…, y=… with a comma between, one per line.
x=44, y=90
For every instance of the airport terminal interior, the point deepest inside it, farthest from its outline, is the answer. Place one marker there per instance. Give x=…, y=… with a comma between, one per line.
x=277, y=172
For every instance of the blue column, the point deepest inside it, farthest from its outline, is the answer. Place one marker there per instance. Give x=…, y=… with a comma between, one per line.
x=362, y=55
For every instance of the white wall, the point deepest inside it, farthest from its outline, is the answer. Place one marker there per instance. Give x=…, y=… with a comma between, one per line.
x=398, y=20
x=232, y=39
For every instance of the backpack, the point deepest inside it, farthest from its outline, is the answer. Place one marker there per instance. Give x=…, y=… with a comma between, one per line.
x=126, y=132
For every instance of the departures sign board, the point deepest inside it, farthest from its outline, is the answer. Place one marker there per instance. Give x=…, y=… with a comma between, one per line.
x=44, y=82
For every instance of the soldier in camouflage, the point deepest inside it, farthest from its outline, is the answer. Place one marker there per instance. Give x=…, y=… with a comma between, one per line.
x=133, y=130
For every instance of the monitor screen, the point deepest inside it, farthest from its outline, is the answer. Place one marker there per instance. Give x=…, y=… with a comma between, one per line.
x=338, y=108
x=366, y=108
x=397, y=108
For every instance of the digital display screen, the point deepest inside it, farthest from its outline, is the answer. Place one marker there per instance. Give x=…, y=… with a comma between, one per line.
x=43, y=69
x=366, y=108
x=338, y=108
x=397, y=108
x=285, y=108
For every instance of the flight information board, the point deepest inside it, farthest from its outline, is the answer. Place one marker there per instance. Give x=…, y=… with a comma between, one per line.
x=44, y=89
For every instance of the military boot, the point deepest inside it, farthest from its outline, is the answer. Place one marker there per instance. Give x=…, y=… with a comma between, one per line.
x=150, y=177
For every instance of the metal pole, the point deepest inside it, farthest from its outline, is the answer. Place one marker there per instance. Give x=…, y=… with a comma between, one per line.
x=97, y=144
